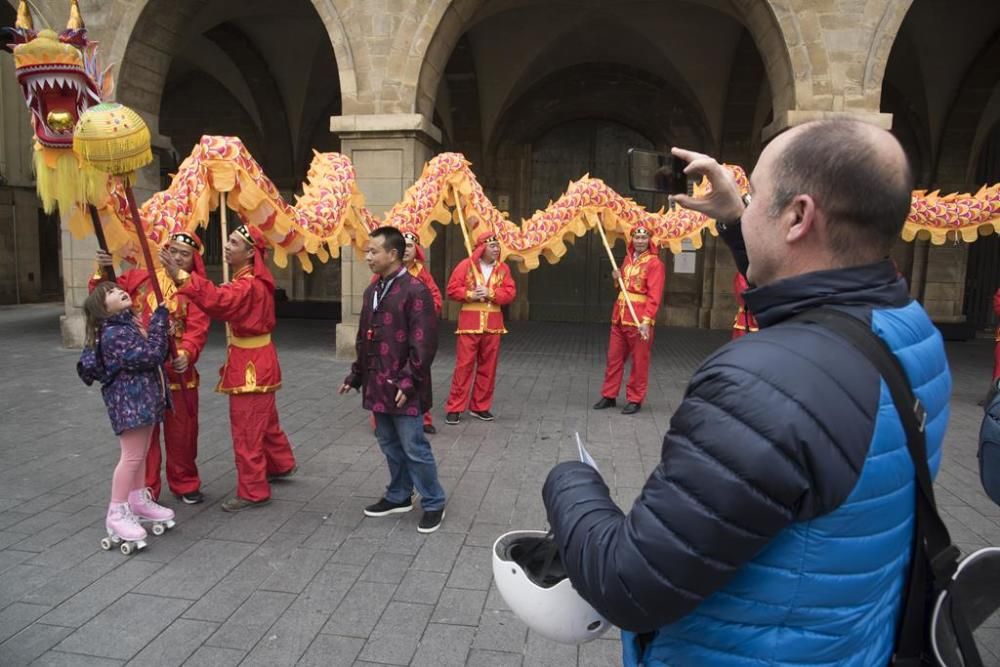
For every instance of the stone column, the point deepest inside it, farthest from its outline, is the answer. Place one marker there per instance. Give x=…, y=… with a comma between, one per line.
x=389, y=152
x=943, y=288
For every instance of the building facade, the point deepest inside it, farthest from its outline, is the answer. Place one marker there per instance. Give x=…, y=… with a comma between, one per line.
x=535, y=93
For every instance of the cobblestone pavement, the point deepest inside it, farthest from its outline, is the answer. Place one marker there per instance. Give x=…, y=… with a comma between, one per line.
x=308, y=580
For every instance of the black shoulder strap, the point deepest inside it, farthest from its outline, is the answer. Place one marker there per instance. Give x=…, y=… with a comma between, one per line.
x=931, y=535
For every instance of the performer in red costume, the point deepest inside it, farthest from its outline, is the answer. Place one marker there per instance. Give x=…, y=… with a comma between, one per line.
x=251, y=374
x=644, y=275
x=413, y=260
x=745, y=322
x=481, y=284
x=189, y=328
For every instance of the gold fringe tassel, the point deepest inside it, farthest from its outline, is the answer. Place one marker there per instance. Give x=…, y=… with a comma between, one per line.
x=59, y=185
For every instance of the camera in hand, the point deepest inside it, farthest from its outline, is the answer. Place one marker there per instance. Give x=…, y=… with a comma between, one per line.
x=650, y=171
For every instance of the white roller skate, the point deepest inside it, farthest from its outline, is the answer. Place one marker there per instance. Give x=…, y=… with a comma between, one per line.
x=146, y=510
x=123, y=529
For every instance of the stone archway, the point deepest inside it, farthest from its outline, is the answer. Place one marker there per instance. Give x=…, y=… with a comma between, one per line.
x=446, y=21
x=141, y=37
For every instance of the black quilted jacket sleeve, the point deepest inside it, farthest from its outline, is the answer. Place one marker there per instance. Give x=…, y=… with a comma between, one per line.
x=766, y=435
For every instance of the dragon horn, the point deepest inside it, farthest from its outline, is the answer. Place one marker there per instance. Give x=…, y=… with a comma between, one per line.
x=24, y=16
x=75, y=17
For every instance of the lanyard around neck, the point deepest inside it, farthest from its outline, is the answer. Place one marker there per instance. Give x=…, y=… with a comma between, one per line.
x=385, y=290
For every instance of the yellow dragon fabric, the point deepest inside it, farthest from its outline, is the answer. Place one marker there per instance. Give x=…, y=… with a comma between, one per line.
x=60, y=77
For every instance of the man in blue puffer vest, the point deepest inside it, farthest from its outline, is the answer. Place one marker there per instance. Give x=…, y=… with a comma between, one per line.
x=778, y=525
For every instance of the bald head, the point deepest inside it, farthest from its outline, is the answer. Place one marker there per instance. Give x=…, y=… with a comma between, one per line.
x=858, y=176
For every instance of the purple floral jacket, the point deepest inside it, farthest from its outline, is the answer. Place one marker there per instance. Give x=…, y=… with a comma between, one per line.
x=129, y=367
x=395, y=347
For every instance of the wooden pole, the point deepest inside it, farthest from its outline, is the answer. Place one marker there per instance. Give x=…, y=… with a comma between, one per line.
x=95, y=219
x=614, y=264
x=465, y=234
x=153, y=281
x=144, y=244
x=224, y=234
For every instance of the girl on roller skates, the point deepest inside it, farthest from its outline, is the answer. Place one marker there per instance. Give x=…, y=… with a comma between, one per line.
x=128, y=362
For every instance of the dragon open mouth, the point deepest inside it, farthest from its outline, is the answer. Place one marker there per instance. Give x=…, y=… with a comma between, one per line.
x=56, y=95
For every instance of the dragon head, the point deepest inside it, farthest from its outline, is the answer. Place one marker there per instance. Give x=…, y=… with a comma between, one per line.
x=60, y=78
x=59, y=75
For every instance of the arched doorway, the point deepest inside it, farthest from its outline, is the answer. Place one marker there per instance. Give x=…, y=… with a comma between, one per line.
x=588, y=81
x=251, y=68
x=941, y=74
x=580, y=286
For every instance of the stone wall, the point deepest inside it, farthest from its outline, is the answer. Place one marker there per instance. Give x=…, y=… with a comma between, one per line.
x=816, y=59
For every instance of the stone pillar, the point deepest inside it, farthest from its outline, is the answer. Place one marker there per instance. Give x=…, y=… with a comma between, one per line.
x=943, y=289
x=388, y=152
x=790, y=118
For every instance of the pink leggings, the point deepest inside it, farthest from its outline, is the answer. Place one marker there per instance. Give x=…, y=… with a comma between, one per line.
x=131, y=468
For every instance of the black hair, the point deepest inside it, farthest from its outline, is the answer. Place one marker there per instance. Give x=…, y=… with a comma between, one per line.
x=392, y=239
x=864, y=194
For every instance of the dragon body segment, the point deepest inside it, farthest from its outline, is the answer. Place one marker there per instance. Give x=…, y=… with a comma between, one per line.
x=60, y=77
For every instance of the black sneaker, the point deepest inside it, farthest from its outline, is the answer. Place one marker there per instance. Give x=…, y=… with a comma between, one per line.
x=604, y=403
x=485, y=415
x=272, y=477
x=193, y=498
x=430, y=521
x=452, y=418
x=429, y=429
x=385, y=508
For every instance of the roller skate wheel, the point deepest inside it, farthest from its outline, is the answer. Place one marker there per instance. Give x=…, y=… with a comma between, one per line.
x=106, y=544
x=158, y=529
x=126, y=548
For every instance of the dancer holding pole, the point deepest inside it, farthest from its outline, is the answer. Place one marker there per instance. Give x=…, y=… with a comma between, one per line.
x=481, y=283
x=640, y=282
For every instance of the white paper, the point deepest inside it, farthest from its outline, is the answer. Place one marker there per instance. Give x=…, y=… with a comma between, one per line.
x=585, y=456
x=684, y=262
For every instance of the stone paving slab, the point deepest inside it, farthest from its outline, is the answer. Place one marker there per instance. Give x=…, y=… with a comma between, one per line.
x=308, y=580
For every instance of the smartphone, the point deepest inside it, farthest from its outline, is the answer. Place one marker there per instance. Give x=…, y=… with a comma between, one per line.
x=650, y=171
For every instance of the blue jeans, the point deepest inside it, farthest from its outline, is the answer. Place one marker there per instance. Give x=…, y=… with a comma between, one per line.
x=411, y=462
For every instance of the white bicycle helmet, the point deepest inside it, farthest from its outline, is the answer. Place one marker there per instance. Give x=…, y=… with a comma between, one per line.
x=532, y=581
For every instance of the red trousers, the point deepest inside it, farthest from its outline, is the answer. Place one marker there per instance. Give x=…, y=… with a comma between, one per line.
x=626, y=343
x=996, y=361
x=180, y=440
x=260, y=446
x=478, y=352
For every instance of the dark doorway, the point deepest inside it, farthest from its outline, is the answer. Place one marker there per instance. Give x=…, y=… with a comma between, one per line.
x=580, y=288
x=50, y=265
x=983, y=273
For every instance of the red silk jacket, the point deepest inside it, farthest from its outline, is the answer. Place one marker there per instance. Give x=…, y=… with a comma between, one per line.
x=644, y=277
x=744, y=321
x=477, y=317
x=247, y=304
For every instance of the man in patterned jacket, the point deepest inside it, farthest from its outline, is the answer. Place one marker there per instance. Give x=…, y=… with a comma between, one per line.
x=777, y=528
x=396, y=344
